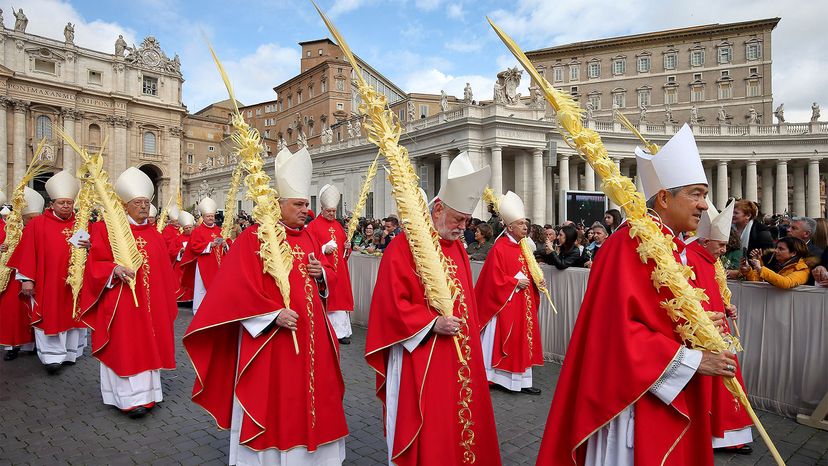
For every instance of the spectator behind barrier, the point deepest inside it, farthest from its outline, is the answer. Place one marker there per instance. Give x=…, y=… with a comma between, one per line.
x=479, y=249
x=786, y=269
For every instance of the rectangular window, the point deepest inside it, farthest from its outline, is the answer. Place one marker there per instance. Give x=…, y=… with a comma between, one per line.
x=402, y=114
x=670, y=61
x=697, y=76
x=753, y=89
x=211, y=148
x=190, y=159
x=267, y=134
x=290, y=101
x=753, y=70
x=595, y=101
x=320, y=52
x=558, y=74
x=619, y=66
x=697, y=58
x=324, y=86
x=753, y=52
x=671, y=79
x=643, y=64
x=190, y=145
x=210, y=136
x=697, y=94
x=725, y=54
x=340, y=106
x=619, y=100
x=44, y=66
x=150, y=86
x=574, y=72
x=95, y=77
x=725, y=91
x=423, y=111
x=299, y=98
x=725, y=73
x=594, y=70
x=644, y=98
x=310, y=93
x=670, y=96
x=307, y=54
x=250, y=114
x=573, y=90
x=258, y=112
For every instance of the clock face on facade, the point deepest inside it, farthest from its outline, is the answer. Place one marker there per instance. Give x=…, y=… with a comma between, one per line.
x=152, y=58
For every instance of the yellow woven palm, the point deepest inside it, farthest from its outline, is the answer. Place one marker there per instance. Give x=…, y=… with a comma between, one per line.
x=693, y=324
x=277, y=258
x=162, y=219
x=384, y=131
x=124, y=250
x=14, y=221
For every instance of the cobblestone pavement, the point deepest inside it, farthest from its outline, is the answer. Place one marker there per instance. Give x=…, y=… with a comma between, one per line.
x=60, y=419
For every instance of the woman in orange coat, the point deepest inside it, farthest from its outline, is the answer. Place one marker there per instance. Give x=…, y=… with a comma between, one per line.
x=786, y=269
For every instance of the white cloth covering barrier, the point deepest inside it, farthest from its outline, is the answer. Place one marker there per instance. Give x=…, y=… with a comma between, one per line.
x=784, y=332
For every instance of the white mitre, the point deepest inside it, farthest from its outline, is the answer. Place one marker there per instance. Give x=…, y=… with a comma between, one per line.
x=714, y=225
x=132, y=184
x=2, y=198
x=293, y=174
x=207, y=206
x=329, y=196
x=186, y=219
x=677, y=164
x=463, y=186
x=153, y=211
x=511, y=208
x=173, y=214
x=62, y=185
x=5, y=211
x=34, y=202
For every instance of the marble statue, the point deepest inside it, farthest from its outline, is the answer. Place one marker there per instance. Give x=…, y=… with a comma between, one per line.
x=280, y=144
x=814, y=112
x=443, y=101
x=694, y=115
x=753, y=116
x=350, y=130
x=120, y=46
x=721, y=115
x=69, y=33
x=410, y=109
x=505, y=89
x=642, y=114
x=358, y=127
x=668, y=115
x=2, y=21
x=301, y=139
x=780, y=113
x=21, y=21
x=468, y=96
x=589, y=110
x=327, y=135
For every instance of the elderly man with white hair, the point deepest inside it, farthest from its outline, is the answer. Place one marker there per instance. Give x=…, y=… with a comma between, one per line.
x=42, y=263
x=132, y=343
x=204, y=251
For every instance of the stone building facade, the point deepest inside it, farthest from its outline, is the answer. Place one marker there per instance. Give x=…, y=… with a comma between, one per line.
x=129, y=100
x=709, y=74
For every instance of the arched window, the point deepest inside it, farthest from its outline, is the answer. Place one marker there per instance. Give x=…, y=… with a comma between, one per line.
x=149, y=143
x=43, y=128
x=95, y=135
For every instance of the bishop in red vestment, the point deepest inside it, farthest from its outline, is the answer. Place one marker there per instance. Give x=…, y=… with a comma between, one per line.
x=281, y=407
x=437, y=408
x=177, y=248
x=204, y=252
x=730, y=423
x=132, y=343
x=630, y=391
x=330, y=234
x=171, y=229
x=16, y=310
x=42, y=264
x=508, y=302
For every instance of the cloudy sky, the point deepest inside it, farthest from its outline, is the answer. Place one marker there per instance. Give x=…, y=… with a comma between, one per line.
x=421, y=45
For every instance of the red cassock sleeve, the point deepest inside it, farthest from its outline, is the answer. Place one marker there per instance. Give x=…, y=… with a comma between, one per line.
x=496, y=282
x=623, y=341
x=24, y=258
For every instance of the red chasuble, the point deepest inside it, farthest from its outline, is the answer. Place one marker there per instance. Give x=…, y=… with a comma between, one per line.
x=726, y=412
x=341, y=296
x=43, y=255
x=15, y=311
x=186, y=281
x=623, y=341
x=517, y=344
x=208, y=264
x=128, y=339
x=289, y=400
x=169, y=233
x=444, y=413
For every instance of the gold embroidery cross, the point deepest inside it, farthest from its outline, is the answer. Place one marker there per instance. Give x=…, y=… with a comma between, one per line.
x=140, y=242
x=298, y=253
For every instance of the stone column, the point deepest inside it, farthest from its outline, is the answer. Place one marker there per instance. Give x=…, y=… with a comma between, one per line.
x=174, y=151
x=120, y=156
x=69, y=156
x=736, y=182
x=812, y=198
x=574, y=176
x=767, y=190
x=708, y=173
x=589, y=177
x=19, y=141
x=721, y=184
x=522, y=179
x=538, y=188
x=5, y=183
x=799, y=190
x=497, y=170
x=617, y=161
x=751, y=185
x=563, y=182
x=782, y=186
x=551, y=193
x=445, y=160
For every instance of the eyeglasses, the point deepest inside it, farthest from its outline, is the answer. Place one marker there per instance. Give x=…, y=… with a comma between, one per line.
x=139, y=202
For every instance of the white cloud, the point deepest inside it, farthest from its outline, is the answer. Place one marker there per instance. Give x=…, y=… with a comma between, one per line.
x=427, y=5
x=800, y=76
x=344, y=6
x=47, y=18
x=455, y=10
x=432, y=81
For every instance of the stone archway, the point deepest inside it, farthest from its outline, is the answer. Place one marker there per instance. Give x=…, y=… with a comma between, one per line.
x=155, y=174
